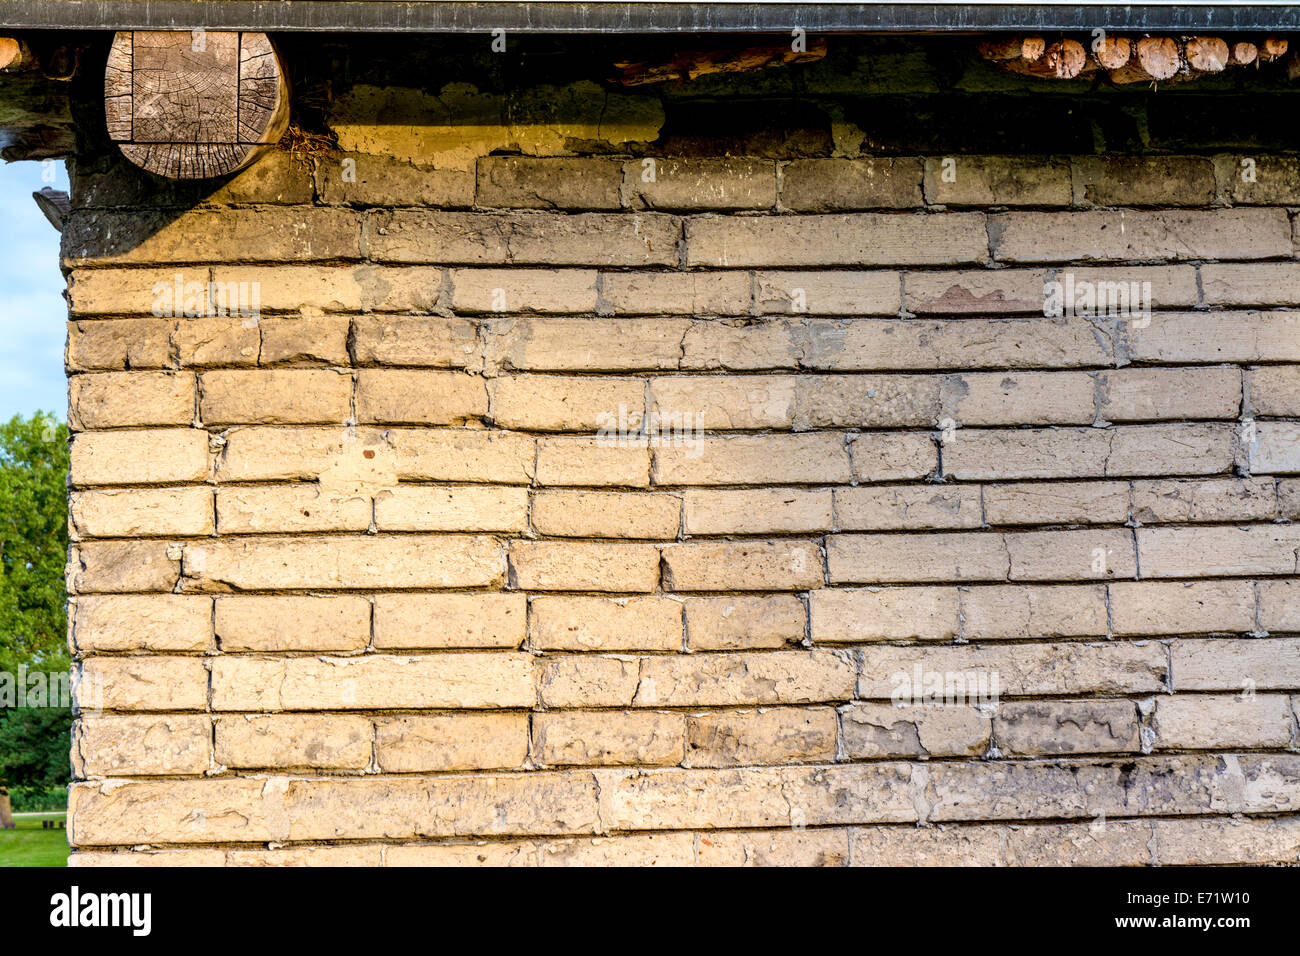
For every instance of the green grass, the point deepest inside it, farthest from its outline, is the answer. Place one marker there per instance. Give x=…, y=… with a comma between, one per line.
x=29, y=845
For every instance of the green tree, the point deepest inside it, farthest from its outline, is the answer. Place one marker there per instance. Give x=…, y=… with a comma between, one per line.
x=33, y=604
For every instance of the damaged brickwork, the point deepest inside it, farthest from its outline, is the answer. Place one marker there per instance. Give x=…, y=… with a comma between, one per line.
x=382, y=568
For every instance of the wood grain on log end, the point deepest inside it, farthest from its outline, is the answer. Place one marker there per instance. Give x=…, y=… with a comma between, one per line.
x=194, y=106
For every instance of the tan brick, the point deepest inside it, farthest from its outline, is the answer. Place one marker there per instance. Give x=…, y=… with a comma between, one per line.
x=779, y=565
x=1157, y=607
x=1279, y=605
x=701, y=184
x=291, y=508
x=1021, y=291
x=419, y=398
x=1033, y=728
x=1033, y=612
x=523, y=290
x=1223, y=499
x=141, y=622
x=313, y=289
x=143, y=683
x=427, y=340
x=1157, y=234
x=141, y=512
x=308, y=338
x=606, y=514
x=1218, y=337
x=284, y=234
x=1082, y=502
x=1218, y=550
x=114, y=399
x=828, y=293
x=461, y=681
x=299, y=856
x=1221, y=841
x=606, y=624
x=821, y=848
x=511, y=853
x=641, y=850
x=1097, y=843
x=587, y=345
x=827, y=185
x=134, y=292
x=838, y=401
x=1169, y=449
x=997, y=181
x=759, y=511
x=409, y=621
x=1024, y=398
x=760, y=737
x=553, y=403
x=1145, y=394
x=675, y=293
x=1144, y=180
x=1273, y=184
x=526, y=182
x=754, y=460
x=592, y=461
x=1276, y=449
x=1251, y=283
x=215, y=341
x=148, y=858
x=726, y=402
x=885, y=456
x=140, y=457
x=873, y=731
x=984, y=671
x=1236, y=664
x=884, y=614
x=1275, y=390
x=1071, y=555
x=610, y=739
x=885, y=558
x=927, y=846
x=741, y=345
x=106, y=566
x=1288, y=498
x=1212, y=721
x=383, y=561
x=841, y=240
x=899, y=507
x=119, y=344
x=386, y=181
x=467, y=238
x=282, y=741
x=153, y=746
x=454, y=742
x=698, y=680
x=583, y=566
x=248, y=622
x=743, y=623
x=275, y=397
x=464, y=508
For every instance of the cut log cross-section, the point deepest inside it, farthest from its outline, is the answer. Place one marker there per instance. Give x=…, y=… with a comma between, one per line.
x=194, y=106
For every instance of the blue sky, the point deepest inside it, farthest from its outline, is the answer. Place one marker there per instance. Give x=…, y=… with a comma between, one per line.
x=32, y=310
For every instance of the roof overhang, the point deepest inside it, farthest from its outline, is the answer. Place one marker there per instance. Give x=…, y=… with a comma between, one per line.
x=641, y=16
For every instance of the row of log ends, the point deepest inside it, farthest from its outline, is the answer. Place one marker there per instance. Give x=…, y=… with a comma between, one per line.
x=1147, y=59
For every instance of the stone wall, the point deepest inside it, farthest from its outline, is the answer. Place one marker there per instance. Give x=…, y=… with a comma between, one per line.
x=385, y=569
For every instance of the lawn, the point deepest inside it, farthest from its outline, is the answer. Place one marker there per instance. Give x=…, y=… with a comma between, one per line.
x=29, y=845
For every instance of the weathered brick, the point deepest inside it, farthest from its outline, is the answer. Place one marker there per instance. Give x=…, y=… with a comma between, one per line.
x=1081, y=502
x=606, y=514
x=828, y=293
x=741, y=345
x=741, y=738
x=1158, y=607
x=400, y=396
x=701, y=184
x=1273, y=183
x=1275, y=390
x=143, y=683
x=114, y=399
x=275, y=397
x=759, y=511
x=927, y=846
x=863, y=239
x=1024, y=291
x=523, y=290
x=291, y=508
x=610, y=739
x=592, y=461
x=1279, y=605
x=1217, y=337
x=211, y=342
x=1033, y=728
x=743, y=566
x=463, y=508
x=1202, y=842
x=126, y=565
x=1251, y=283
x=118, y=344
x=248, y=622
x=283, y=741
x=726, y=403
x=1212, y=721
x=1235, y=664
x=1033, y=611
x=1146, y=394
x=824, y=847
x=997, y=181
x=874, y=731
x=675, y=293
x=385, y=181
x=555, y=403
x=754, y=460
x=409, y=621
x=526, y=182
x=384, y=561
x=827, y=185
x=153, y=746
x=885, y=456
x=427, y=340
x=899, y=507
x=1144, y=180
x=461, y=681
x=738, y=623
x=307, y=338
x=605, y=624
x=141, y=512
x=139, y=457
x=583, y=566
x=455, y=742
x=1218, y=550
x=587, y=345
x=1102, y=842
x=1276, y=449
x=141, y=622
x=884, y=614
x=886, y=558
x=1212, y=499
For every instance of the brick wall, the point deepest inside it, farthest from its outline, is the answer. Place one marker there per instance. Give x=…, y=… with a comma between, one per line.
x=373, y=575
